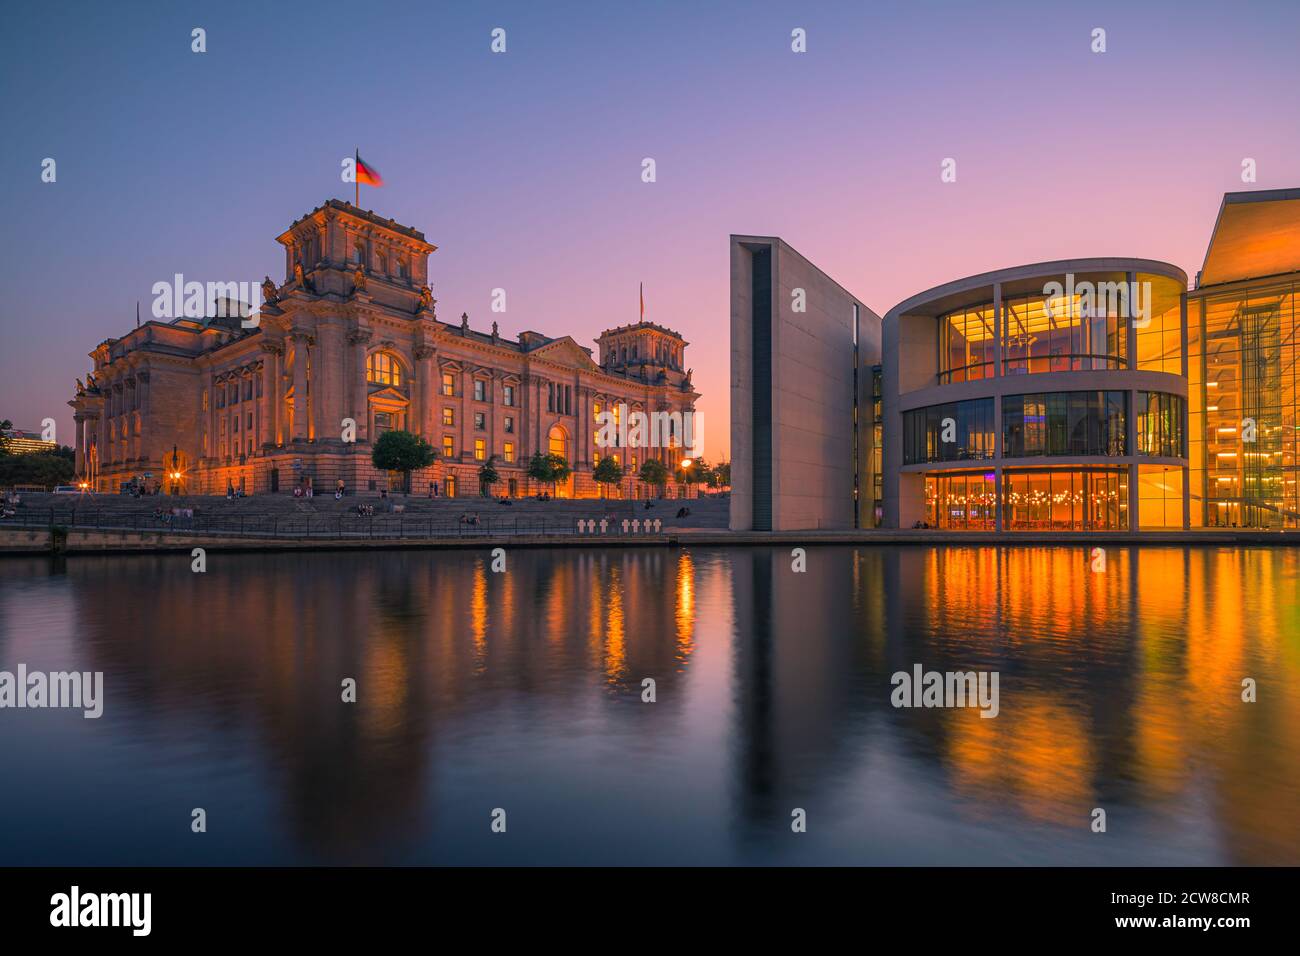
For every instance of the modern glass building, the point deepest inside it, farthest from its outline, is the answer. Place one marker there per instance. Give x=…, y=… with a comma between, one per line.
x=1242, y=346
x=1078, y=395
x=1103, y=394
x=1048, y=397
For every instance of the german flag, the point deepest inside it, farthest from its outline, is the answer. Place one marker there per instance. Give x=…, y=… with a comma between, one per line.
x=368, y=174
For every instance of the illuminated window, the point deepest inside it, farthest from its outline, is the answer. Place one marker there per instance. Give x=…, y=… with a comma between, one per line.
x=558, y=442
x=449, y=417
x=509, y=454
x=382, y=368
x=448, y=383
x=480, y=449
x=448, y=447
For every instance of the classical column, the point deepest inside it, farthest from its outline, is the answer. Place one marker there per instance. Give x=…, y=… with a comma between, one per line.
x=359, y=402
x=213, y=448
x=298, y=426
x=425, y=392
x=329, y=365
x=320, y=428
x=268, y=434
x=80, y=456
x=466, y=443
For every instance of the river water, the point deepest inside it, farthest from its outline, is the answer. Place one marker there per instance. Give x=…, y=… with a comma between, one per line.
x=522, y=691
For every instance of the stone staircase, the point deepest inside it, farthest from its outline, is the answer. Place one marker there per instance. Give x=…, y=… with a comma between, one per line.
x=705, y=512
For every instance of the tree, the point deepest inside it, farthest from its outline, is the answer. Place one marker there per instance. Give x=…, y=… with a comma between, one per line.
x=402, y=451
x=487, y=475
x=6, y=427
x=723, y=473
x=654, y=472
x=41, y=468
x=560, y=470
x=608, y=471
x=548, y=469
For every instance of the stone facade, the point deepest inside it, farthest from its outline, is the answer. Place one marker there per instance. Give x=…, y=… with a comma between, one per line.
x=802, y=351
x=353, y=333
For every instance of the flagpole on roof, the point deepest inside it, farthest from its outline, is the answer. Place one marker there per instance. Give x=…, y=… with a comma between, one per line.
x=356, y=178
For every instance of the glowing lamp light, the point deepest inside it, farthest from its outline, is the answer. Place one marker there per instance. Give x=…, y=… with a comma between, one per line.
x=686, y=463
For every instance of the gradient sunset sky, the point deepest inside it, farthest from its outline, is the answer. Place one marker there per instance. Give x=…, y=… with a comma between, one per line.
x=524, y=168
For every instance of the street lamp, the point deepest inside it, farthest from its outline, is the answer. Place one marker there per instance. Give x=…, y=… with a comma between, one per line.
x=176, y=473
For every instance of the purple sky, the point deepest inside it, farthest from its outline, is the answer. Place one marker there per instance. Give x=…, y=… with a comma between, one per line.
x=524, y=168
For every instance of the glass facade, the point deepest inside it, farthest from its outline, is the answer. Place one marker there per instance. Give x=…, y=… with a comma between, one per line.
x=961, y=502
x=1084, y=328
x=1033, y=499
x=955, y=431
x=1065, y=499
x=967, y=344
x=1063, y=423
x=1243, y=418
x=1062, y=334
x=1160, y=425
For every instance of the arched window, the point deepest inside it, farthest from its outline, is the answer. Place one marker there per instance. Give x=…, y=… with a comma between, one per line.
x=558, y=442
x=383, y=368
x=382, y=261
x=358, y=253
x=402, y=271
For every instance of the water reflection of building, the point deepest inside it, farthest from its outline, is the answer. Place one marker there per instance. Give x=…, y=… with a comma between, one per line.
x=259, y=647
x=1119, y=690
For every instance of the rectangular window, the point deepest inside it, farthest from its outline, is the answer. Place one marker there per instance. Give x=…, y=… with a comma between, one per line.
x=509, y=453
x=508, y=395
x=449, y=417
x=480, y=449
x=448, y=447
x=249, y=423
x=510, y=425
x=448, y=383
x=1063, y=423
x=480, y=390
x=248, y=388
x=480, y=421
x=956, y=431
